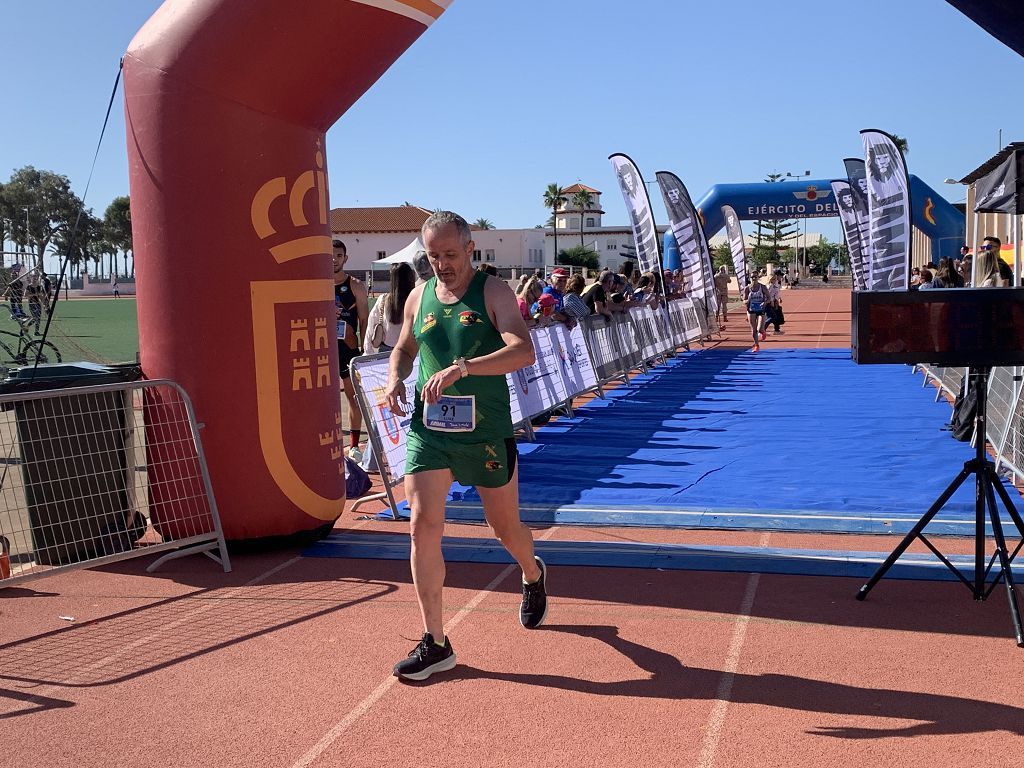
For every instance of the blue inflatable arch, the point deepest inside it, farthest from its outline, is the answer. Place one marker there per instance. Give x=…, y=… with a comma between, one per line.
x=933, y=215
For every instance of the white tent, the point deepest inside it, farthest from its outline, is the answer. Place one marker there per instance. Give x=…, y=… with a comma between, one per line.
x=406, y=254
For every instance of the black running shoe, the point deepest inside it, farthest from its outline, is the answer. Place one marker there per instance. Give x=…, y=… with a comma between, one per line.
x=535, y=600
x=425, y=659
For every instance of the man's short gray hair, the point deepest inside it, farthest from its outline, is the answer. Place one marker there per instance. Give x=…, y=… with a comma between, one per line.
x=438, y=219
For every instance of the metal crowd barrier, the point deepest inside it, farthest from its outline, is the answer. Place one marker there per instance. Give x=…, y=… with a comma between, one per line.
x=569, y=363
x=1004, y=431
x=80, y=486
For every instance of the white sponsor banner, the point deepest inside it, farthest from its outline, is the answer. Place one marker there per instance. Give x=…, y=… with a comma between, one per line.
x=563, y=369
x=371, y=377
x=578, y=372
x=524, y=400
x=688, y=318
x=629, y=345
x=600, y=337
x=655, y=336
x=663, y=326
x=547, y=370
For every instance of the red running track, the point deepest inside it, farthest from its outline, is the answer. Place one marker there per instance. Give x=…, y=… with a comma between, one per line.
x=286, y=661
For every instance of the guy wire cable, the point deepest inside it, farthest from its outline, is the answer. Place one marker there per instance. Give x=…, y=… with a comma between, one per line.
x=74, y=230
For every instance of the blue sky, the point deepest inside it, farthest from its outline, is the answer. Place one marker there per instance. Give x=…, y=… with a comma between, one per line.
x=496, y=100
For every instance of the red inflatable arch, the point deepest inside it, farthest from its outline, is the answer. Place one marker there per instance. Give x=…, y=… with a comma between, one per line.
x=227, y=103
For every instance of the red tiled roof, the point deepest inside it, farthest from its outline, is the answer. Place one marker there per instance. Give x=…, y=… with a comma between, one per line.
x=402, y=218
x=579, y=188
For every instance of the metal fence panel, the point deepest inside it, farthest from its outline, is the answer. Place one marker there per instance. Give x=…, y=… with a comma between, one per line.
x=79, y=485
x=951, y=380
x=1000, y=405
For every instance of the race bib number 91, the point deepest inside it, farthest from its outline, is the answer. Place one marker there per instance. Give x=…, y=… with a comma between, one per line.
x=451, y=413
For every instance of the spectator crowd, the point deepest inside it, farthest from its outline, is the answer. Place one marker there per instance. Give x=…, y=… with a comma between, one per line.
x=992, y=271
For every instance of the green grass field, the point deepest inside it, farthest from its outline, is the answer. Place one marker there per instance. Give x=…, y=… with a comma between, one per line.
x=99, y=330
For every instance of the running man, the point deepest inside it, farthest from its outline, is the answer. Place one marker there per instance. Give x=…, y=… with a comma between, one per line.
x=468, y=332
x=353, y=309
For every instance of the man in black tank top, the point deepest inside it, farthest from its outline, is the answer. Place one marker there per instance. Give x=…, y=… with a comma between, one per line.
x=352, y=308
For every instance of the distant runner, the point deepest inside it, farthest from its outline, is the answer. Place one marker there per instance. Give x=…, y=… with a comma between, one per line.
x=756, y=298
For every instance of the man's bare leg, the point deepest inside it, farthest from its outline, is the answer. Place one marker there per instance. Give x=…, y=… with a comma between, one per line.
x=355, y=416
x=501, y=508
x=427, y=492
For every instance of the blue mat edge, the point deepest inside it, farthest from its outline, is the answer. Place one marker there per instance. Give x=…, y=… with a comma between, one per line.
x=731, y=559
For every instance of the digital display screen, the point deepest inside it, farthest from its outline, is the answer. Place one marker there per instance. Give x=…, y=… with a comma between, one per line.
x=957, y=326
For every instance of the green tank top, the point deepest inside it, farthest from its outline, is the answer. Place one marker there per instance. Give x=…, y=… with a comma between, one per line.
x=464, y=329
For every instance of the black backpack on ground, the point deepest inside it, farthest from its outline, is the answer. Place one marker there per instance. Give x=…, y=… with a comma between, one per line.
x=965, y=409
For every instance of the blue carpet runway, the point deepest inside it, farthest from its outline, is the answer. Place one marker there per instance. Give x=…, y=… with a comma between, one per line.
x=793, y=439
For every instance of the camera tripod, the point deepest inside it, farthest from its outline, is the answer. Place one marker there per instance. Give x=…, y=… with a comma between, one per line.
x=987, y=486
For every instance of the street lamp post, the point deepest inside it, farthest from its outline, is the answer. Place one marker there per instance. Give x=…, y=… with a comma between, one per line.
x=802, y=262
x=26, y=229
x=973, y=233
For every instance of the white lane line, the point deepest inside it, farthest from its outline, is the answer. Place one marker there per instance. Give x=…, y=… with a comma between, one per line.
x=824, y=320
x=366, y=704
x=716, y=720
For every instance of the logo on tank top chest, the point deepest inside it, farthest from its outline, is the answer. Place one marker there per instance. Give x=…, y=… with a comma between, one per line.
x=448, y=312
x=429, y=321
x=470, y=318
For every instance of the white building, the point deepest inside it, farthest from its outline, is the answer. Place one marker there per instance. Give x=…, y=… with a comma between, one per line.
x=613, y=244
x=371, y=234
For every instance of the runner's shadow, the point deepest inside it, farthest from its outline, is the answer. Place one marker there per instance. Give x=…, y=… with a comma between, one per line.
x=669, y=678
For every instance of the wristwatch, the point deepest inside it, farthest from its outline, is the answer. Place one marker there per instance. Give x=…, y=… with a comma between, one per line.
x=461, y=362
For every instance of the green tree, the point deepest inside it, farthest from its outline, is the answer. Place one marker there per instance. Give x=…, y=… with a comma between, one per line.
x=581, y=199
x=722, y=256
x=483, y=223
x=117, y=228
x=579, y=256
x=554, y=198
x=87, y=243
x=52, y=208
x=770, y=234
x=825, y=252
x=901, y=143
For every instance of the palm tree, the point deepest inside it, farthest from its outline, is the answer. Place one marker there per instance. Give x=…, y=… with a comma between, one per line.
x=483, y=223
x=901, y=143
x=554, y=198
x=581, y=200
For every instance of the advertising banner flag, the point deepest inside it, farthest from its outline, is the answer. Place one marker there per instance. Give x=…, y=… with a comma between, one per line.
x=888, y=212
x=1002, y=189
x=638, y=204
x=734, y=232
x=857, y=176
x=707, y=267
x=851, y=228
x=682, y=218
